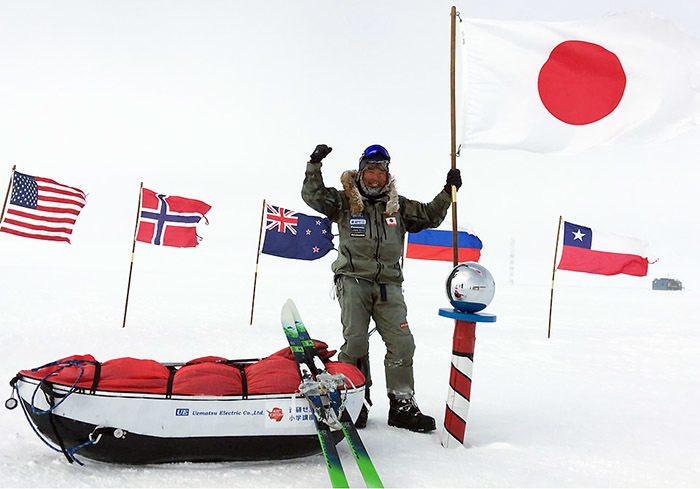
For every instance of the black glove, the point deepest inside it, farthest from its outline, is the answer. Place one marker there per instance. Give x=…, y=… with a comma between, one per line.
x=453, y=178
x=320, y=152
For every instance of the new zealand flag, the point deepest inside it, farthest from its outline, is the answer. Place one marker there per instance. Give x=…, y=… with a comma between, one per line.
x=290, y=234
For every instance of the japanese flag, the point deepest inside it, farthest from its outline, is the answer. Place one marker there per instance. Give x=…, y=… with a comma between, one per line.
x=568, y=86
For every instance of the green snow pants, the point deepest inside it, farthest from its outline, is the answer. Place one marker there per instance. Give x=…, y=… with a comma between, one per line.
x=362, y=300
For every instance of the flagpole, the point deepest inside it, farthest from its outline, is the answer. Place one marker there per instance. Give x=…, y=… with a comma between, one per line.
x=554, y=269
x=133, y=249
x=257, y=260
x=453, y=128
x=9, y=186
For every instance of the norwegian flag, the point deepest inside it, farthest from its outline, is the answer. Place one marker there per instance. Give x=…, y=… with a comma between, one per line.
x=290, y=234
x=167, y=220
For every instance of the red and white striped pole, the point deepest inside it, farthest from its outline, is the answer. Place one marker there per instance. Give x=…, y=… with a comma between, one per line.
x=460, y=386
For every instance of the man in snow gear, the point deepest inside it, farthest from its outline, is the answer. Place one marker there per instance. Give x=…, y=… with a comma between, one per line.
x=373, y=220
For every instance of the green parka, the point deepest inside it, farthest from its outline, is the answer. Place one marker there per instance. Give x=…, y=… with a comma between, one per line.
x=371, y=231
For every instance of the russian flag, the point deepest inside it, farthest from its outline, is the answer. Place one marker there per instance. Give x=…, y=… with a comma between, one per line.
x=436, y=244
x=591, y=251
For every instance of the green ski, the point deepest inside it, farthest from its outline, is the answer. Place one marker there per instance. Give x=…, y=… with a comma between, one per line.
x=364, y=463
x=323, y=416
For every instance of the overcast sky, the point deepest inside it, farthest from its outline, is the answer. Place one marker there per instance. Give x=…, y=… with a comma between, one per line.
x=224, y=101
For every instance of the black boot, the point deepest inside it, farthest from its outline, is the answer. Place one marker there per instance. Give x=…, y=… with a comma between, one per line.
x=404, y=413
x=362, y=418
x=364, y=412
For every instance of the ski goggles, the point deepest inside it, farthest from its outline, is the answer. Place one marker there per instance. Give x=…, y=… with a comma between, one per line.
x=374, y=150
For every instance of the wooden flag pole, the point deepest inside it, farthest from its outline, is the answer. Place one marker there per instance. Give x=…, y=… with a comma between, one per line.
x=9, y=186
x=257, y=260
x=133, y=249
x=453, y=128
x=554, y=269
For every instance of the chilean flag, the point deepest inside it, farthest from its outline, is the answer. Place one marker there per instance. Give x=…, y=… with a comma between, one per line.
x=167, y=220
x=591, y=251
x=436, y=244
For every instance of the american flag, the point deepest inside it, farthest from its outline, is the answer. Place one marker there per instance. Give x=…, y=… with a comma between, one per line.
x=42, y=208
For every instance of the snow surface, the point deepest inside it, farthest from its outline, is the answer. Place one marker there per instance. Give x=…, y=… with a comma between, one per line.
x=611, y=400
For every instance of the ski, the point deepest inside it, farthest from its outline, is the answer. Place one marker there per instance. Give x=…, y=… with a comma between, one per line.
x=320, y=373
x=323, y=417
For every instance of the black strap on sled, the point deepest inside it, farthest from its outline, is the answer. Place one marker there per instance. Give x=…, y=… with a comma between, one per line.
x=244, y=380
x=96, y=378
x=171, y=378
x=47, y=388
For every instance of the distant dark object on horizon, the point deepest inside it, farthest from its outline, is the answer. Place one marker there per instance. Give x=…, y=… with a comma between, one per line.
x=666, y=284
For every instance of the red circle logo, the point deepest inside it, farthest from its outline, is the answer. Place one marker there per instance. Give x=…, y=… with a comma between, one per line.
x=581, y=82
x=276, y=414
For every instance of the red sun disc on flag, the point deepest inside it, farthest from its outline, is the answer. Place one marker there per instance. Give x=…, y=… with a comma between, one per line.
x=581, y=82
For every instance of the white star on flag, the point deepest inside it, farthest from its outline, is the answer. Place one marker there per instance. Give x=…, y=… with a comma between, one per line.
x=579, y=235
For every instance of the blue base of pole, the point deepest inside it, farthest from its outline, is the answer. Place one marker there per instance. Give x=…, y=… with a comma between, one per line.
x=475, y=317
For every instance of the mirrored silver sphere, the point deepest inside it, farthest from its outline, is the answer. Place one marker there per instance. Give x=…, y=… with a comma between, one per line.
x=470, y=287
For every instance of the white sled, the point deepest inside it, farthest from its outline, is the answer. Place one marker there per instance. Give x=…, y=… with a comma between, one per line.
x=128, y=425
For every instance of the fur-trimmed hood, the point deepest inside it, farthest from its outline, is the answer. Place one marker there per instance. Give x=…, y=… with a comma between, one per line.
x=356, y=199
